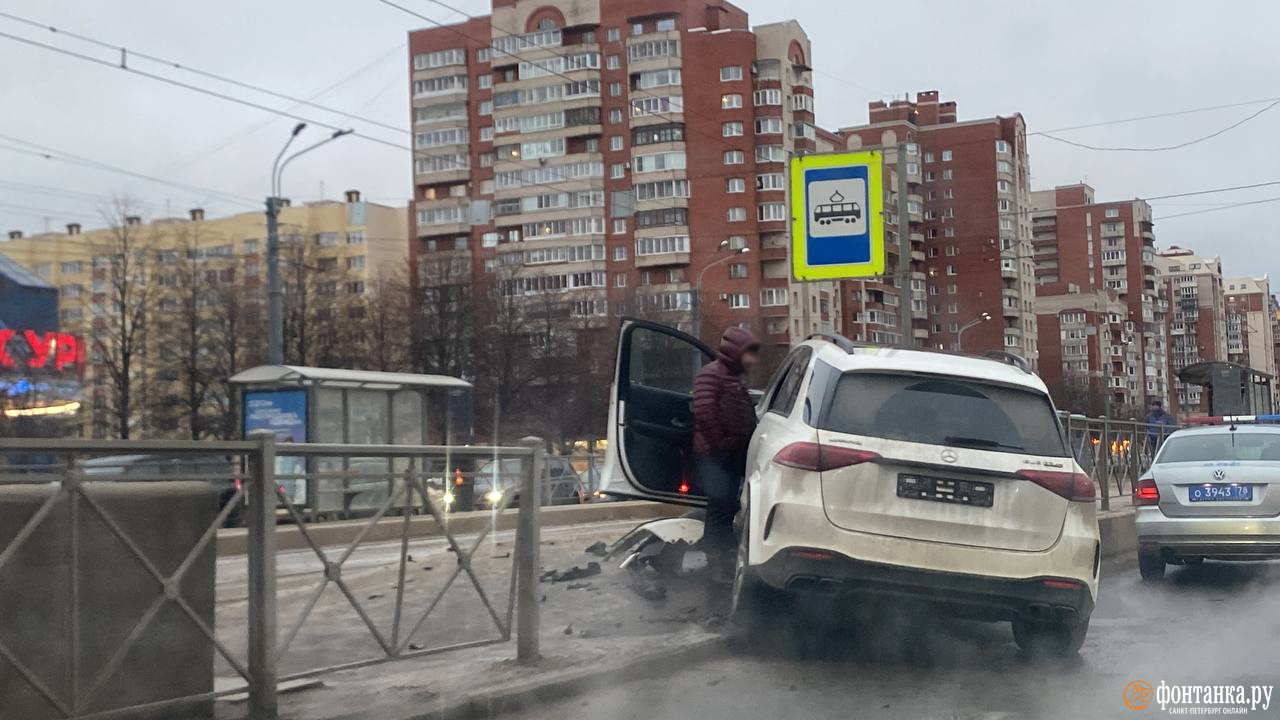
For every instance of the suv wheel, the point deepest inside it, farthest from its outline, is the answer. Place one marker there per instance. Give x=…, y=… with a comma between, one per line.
x=1151, y=565
x=1040, y=639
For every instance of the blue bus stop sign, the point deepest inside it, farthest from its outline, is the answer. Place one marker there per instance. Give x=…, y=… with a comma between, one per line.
x=837, y=222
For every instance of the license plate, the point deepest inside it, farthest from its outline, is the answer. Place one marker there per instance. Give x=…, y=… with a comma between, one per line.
x=1219, y=493
x=957, y=492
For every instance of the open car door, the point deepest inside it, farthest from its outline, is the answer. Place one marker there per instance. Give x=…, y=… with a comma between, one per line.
x=651, y=416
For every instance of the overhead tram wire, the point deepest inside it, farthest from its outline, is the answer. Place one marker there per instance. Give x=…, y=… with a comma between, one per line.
x=49, y=153
x=1165, y=148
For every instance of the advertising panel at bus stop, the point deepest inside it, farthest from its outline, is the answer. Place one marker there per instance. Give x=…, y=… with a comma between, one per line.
x=837, y=222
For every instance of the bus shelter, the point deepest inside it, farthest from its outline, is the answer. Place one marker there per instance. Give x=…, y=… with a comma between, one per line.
x=358, y=407
x=1230, y=388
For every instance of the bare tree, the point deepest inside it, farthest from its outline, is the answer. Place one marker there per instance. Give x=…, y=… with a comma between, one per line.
x=389, y=314
x=444, y=331
x=235, y=317
x=501, y=352
x=119, y=327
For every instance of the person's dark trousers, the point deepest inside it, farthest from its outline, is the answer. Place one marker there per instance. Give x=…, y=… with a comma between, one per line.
x=721, y=480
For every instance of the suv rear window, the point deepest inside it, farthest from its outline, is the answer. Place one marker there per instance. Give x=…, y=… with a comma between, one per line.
x=1220, y=446
x=944, y=411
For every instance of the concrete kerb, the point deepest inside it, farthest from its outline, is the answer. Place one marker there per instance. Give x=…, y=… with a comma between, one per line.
x=234, y=541
x=558, y=685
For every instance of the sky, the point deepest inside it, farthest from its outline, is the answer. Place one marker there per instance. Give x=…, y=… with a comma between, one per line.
x=1061, y=65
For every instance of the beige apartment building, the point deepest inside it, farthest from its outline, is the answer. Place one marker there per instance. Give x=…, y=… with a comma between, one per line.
x=1250, y=339
x=190, y=292
x=1192, y=287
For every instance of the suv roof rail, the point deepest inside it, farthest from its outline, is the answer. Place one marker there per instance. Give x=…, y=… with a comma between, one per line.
x=1009, y=358
x=841, y=341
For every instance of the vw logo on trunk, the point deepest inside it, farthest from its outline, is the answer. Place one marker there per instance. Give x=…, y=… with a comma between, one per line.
x=950, y=456
x=1219, y=474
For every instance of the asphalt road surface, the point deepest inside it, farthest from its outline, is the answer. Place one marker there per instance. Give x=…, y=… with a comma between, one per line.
x=1213, y=624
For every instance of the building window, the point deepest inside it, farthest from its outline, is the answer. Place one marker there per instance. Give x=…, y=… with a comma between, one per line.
x=620, y=280
x=773, y=297
x=326, y=239
x=770, y=181
x=354, y=237
x=736, y=214
x=613, y=62
x=613, y=34
x=617, y=171
x=735, y=185
x=619, y=253
x=769, y=96
x=637, y=28
x=737, y=242
x=948, y=194
x=769, y=212
x=738, y=271
x=615, y=116
x=731, y=129
x=739, y=301
x=355, y=262
x=619, y=226
x=730, y=101
x=769, y=126
x=486, y=133
x=946, y=156
x=615, y=89
x=734, y=157
x=666, y=25
x=951, y=269
x=1002, y=146
x=1113, y=212
x=731, y=72
x=770, y=153
x=615, y=142
x=949, y=232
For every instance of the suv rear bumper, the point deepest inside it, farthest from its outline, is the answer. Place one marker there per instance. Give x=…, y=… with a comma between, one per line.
x=969, y=596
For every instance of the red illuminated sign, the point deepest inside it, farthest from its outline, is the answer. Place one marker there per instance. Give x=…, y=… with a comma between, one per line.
x=41, y=351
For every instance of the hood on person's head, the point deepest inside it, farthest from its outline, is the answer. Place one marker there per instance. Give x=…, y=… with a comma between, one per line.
x=735, y=343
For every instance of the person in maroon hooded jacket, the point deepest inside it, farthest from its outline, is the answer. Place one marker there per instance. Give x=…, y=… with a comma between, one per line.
x=723, y=420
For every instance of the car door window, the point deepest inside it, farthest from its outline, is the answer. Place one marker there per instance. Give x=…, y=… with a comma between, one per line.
x=784, y=397
x=662, y=361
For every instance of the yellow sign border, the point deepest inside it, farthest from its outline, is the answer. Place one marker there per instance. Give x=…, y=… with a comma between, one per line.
x=873, y=160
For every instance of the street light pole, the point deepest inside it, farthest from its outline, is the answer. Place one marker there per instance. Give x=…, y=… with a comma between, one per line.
x=697, y=288
x=976, y=321
x=275, y=293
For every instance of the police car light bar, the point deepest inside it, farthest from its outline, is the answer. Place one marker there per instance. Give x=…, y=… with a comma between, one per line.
x=1232, y=419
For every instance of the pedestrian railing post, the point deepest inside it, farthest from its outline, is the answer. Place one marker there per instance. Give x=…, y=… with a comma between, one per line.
x=528, y=540
x=1104, y=449
x=261, y=498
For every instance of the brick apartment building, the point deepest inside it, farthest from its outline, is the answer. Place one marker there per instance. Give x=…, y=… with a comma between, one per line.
x=1085, y=345
x=604, y=156
x=1108, y=246
x=969, y=230
x=1250, y=338
x=1193, y=288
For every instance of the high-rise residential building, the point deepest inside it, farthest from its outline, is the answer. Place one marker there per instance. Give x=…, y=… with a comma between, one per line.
x=1107, y=246
x=1250, y=339
x=184, y=298
x=1193, y=288
x=607, y=157
x=968, y=245
x=1086, y=344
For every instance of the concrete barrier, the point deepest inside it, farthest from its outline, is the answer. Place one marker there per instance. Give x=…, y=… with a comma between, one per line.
x=234, y=541
x=1118, y=533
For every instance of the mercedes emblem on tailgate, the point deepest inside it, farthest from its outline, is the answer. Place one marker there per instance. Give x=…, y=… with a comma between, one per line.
x=949, y=456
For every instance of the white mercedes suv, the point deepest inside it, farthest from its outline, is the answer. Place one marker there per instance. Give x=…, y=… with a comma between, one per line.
x=880, y=473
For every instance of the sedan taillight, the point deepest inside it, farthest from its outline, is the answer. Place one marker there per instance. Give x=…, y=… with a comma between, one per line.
x=1073, y=486
x=1146, y=493
x=817, y=458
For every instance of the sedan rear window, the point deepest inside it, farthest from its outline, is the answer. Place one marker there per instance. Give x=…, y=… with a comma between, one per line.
x=945, y=411
x=1220, y=446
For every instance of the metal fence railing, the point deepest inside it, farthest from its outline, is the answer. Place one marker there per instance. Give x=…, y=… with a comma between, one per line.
x=260, y=648
x=1114, y=453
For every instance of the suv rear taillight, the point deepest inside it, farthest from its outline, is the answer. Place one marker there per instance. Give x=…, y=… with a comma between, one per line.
x=1073, y=486
x=1146, y=492
x=817, y=458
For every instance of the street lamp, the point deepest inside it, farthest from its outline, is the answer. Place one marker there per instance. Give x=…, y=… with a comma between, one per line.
x=275, y=316
x=697, y=288
x=976, y=321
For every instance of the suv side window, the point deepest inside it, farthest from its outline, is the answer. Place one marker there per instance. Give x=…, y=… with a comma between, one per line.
x=784, y=398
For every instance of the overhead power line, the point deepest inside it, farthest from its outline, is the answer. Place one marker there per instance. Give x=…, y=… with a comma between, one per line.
x=1164, y=148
